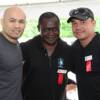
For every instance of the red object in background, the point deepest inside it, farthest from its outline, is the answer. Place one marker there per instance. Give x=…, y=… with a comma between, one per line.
x=60, y=78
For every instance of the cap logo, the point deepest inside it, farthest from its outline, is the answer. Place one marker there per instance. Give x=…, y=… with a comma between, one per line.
x=81, y=14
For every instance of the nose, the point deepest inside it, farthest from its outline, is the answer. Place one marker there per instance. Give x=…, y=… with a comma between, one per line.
x=77, y=25
x=51, y=31
x=17, y=24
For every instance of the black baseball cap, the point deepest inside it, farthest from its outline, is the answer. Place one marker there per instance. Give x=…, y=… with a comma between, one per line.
x=81, y=14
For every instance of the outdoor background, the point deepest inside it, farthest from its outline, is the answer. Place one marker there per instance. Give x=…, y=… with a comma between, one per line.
x=34, y=8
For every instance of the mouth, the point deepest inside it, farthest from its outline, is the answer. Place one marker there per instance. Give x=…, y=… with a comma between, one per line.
x=52, y=37
x=16, y=31
x=79, y=33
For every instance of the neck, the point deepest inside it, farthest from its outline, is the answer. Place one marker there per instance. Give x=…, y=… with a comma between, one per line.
x=14, y=41
x=85, y=42
x=50, y=48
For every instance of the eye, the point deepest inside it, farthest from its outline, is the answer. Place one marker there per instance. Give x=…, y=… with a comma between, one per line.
x=22, y=21
x=55, y=29
x=74, y=22
x=83, y=22
x=46, y=30
x=12, y=20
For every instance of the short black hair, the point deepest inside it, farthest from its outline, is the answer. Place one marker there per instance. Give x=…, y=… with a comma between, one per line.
x=47, y=15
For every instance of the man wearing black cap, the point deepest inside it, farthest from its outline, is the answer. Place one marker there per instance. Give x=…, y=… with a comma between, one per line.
x=87, y=51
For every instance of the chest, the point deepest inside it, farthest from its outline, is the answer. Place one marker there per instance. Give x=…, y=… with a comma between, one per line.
x=10, y=58
x=83, y=61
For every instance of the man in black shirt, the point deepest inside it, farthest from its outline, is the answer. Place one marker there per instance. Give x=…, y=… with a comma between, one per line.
x=46, y=61
x=85, y=53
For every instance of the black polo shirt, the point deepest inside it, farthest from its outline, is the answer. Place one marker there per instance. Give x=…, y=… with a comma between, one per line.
x=86, y=65
x=41, y=77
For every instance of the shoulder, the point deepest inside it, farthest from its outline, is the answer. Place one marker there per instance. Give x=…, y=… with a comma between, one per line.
x=75, y=47
x=75, y=44
x=63, y=43
x=30, y=43
x=98, y=35
x=63, y=47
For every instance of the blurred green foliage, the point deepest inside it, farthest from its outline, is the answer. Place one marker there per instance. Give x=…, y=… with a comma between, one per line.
x=65, y=28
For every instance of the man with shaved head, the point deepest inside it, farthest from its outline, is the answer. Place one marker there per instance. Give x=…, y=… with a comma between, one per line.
x=13, y=24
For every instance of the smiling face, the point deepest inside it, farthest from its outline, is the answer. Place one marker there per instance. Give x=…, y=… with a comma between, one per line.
x=83, y=29
x=13, y=23
x=50, y=30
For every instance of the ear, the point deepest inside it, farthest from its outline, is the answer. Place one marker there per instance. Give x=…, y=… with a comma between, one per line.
x=38, y=26
x=94, y=22
x=1, y=21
